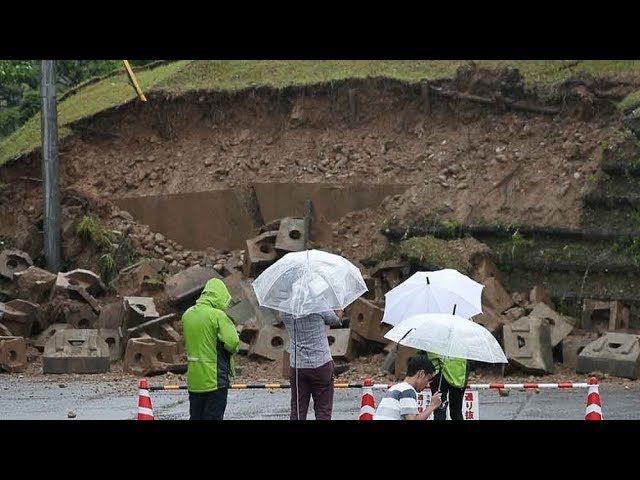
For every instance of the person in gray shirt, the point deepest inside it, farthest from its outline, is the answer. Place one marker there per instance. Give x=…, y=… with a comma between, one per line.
x=311, y=367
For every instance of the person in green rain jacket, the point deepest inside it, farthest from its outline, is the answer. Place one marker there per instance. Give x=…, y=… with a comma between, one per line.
x=452, y=386
x=211, y=340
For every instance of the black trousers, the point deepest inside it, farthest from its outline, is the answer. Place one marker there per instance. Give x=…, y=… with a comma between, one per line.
x=455, y=396
x=208, y=405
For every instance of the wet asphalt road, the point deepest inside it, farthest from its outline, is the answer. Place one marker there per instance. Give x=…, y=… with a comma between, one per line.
x=25, y=399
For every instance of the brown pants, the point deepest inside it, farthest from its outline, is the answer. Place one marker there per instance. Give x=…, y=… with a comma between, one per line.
x=316, y=382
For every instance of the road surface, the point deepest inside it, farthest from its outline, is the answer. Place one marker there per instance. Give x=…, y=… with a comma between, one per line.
x=35, y=400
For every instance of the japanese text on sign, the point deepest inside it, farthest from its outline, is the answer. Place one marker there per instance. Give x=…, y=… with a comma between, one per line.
x=470, y=404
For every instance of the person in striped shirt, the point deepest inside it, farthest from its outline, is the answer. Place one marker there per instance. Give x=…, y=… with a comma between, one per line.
x=400, y=401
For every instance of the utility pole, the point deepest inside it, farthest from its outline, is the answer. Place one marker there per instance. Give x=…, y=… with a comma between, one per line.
x=50, y=169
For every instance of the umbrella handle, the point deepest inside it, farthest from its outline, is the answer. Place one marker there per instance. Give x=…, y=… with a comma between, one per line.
x=443, y=405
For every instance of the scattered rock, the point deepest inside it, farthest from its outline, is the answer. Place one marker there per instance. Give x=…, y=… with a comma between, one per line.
x=453, y=168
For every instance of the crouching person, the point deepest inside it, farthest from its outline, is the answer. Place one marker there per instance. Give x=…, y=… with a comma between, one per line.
x=400, y=402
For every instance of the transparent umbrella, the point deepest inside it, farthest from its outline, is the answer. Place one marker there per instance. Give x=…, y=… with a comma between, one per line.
x=441, y=291
x=307, y=282
x=448, y=335
x=312, y=281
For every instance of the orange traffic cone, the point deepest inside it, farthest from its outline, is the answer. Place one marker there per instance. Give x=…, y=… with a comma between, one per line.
x=368, y=404
x=594, y=409
x=145, y=410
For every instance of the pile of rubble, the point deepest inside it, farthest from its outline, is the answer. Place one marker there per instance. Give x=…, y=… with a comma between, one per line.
x=77, y=324
x=151, y=244
x=534, y=335
x=80, y=325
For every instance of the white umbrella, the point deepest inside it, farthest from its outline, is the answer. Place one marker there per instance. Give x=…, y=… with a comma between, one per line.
x=448, y=335
x=307, y=282
x=433, y=292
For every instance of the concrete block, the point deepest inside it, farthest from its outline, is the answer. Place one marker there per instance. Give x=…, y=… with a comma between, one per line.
x=79, y=315
x=43, y=338
x=111, y=315
x=35, y=284
x=144, y=355
x=113, y=339
x=85, y=279
x=153, y=327
x=339, y=343
x=365, y=319
x=561, y=325
x=263, y=316
x=13, y=354
x=290, y=237
x=527, y=344
x=80, y=285
x=147, y=274
x=269, y=342
x=573, y=345
x=614, y=353
x=243, y=313
x=12, y=262
x=20, y=316
x=260, y=253
x=139, y=310
x=76, y=351
x=187, y=285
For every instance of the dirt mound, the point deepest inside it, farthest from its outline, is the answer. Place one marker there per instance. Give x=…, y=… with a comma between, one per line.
x=465, y=160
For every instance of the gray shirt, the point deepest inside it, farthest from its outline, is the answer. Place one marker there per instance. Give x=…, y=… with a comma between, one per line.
x=309, y=338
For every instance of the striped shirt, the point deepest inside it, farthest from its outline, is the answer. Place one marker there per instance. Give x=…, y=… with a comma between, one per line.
x=398, y=401
x=309, y=338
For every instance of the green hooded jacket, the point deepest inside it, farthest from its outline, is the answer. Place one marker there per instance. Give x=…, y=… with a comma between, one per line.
x=211, y=340
x=455, y=369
